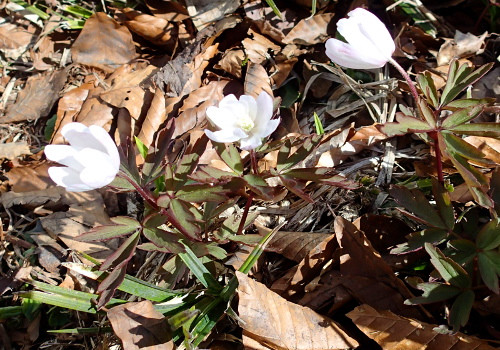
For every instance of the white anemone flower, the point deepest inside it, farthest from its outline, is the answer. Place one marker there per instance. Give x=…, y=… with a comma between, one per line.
x=370, y=44
x=91, y=160
x=247, y=120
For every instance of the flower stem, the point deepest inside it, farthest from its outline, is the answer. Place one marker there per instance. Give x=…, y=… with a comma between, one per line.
x=253, y=160
x=439, y=160
x=405, y=75
x=148, y=197
x=255, y=170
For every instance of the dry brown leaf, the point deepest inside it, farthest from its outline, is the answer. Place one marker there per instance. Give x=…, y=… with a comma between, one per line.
x=257, y=80
x=103, y=43
x=33, y=102
x=258, y=49
x=32, y=199
x=231, y=62
x=154, y=118
x=391, y=331
x=140, y=326
x=197, y=67
x=14, y=40
x=205, y=12
x=462, y=45
x=278, y=324
x=292, y=284
x=30, y=177
x=367, y=276
x=68, y=108
x=12, y=150
x=266, y=20
x=155, y=29
x=488, y=145
x=284, y=63
x=170, y=10
x=310, y=31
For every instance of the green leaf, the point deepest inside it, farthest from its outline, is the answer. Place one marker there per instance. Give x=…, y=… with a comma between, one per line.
x=416, y=202
x=443, y=203
x=427, y=113
x=472, y=176
x=101, y=233
x=272, y=5
x=458, y=145
x=489, y=272
x=86, y=331
x=183, y=219
x=468, y=102
x=460, y=310
x=417, y=240
x=459, y=78
x=426, y=84
x=462, y=116
x=7, y=312
x=200, y=271
x=163, y=239
x=449, y=270
x=318, y=125
x=123, y=253
x=230, y=155
x=186, y=165
x=478, y=129
x=230, y=226
x=463, y=250
x=202, y=193
x=489, y=236
x=404, y=125
x=433, y=292
x=495, y=189
x=143, y=149
x=259, y=186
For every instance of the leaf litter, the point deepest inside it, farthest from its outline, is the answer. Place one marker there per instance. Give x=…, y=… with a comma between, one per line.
x=149, y=74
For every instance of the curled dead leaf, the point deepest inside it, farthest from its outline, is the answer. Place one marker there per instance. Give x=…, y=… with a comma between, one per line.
x=310, y=31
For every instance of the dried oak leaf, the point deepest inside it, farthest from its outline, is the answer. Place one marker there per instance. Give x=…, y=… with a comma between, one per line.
x=394, y=332
x=14, y=40
x=103, y=43
x=172, y=11
x=205, y=12
x=310, y=31
x=34, y=102
x=278, y=324
x=257, y=80
x=155, y=29
x=257, y=48
x=140, y=326
x=30, y=177
x=231, y=62
x=155, y=117
x=367, y=275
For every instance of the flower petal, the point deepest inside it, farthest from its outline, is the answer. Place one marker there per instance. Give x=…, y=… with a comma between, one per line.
x=222, y=117
x=271, y=126
x=348, y=56
x=251, y=106
x=79, y=136
x=251, y=142
x=65, y=155
x=107, y=142
x=226, y=135
x=68, y=178
x=264, y=114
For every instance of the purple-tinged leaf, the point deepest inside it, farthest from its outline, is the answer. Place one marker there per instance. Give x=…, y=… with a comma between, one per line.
x=415, y=202
x=427, y=113
x=183, y=219
x=202, y=193
x=296, y=187
x=443, y=203
x=459, y=146
x=426, y=84
x=404, y=125
x=468, y=102
x=417, y=240
x=259, y=186
x=164, y=239
x=102, y=233
x=462, y=116
x=449, y=270
x=478, y=129
x=472, y=176
x=302, y=151
x=495, y=189
x=150, y=247
x=230, y=155
x=433, y=293
x=108, y=286
x=122, y=254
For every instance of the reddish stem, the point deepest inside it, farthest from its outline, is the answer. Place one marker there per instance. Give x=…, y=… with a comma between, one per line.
x=148, y=197
x=245, y=214
x=405, y=75
x=439, y=160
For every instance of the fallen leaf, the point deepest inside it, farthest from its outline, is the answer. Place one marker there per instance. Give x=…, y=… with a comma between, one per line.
x=13, y=150
x=278, y=324
x=14, y=40
x=488, y=145
x=155, y=117
x=310, y=31
x=205, y=12
x=259, y=49
x=155, y=29
x=231, y=62
x=367, y=276
x=257, y=80
x=268, y=22
x=103, y=43
x=33, y=102
x=462, y=45
x=140, y=326
x=30, y=177
x=171, y=11
x=391, y=331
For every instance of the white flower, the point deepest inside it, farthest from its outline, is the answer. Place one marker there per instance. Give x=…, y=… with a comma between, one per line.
x=370, y=44
x=246, y=120
x=92, y=160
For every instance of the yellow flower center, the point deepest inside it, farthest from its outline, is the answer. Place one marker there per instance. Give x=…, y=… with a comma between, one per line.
x=246, y=124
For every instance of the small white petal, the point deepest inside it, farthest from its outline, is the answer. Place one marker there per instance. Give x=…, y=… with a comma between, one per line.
x=222, y=117
x=271, y=126
x=79, y=137
x=251, y=106
x=228, y=101
x=250, y=143
x=68, y=178
x=98, y=176
x=348, y=56
x=107, y=142
x=63, y=154
x=226, y=135
x=264, y=114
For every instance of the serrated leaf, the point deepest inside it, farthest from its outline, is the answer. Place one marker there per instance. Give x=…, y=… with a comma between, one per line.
x=417, y=240
x=102, y=233
x=433, y=292
x=468, y=102
x=458, y=145
x=404, y=125
x=478, y=129
x=296, y=187
x=163, y=239
x=122, y=254
x=416, y=202
x=489, y=236
x=427, y=113
x=459, y=78
x=449, y=270
x=202, y=193
x=488, y=271
x=472, y=176
x=230, y=155
x=259, y=186
x=462, y=116
x=183, y=219
x=460, y=310
x=427, y=86
x=443, y=203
